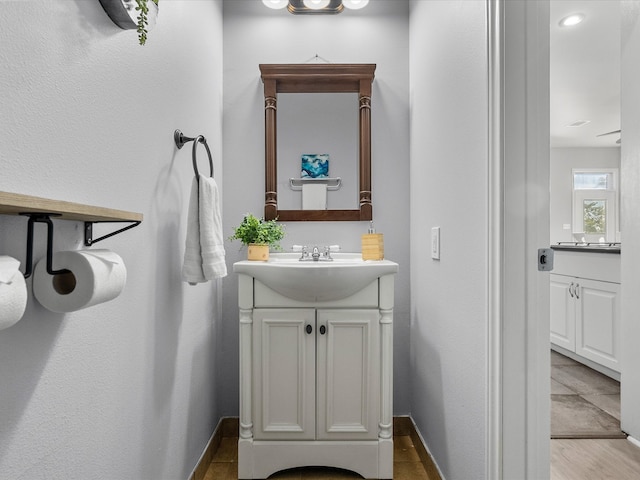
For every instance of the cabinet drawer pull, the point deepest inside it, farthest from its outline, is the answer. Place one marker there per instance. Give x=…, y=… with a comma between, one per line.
x=323, y=330
x=309, y=329
x=571, y=289
x=576, y=290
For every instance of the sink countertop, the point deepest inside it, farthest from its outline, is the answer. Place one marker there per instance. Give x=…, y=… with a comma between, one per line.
x=588, y=248
x=316, y=281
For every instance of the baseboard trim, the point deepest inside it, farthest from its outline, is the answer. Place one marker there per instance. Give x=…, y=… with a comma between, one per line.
x=634, y=440
x=402, y=425
x=433, y=471
x=227, y=427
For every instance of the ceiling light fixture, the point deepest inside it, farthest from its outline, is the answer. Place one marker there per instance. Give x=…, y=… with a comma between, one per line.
x=316, y=6
x=571, y=20
x=355, y=4
x=276, y=4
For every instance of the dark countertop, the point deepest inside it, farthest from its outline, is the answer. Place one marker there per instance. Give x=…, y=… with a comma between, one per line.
x=596, y=248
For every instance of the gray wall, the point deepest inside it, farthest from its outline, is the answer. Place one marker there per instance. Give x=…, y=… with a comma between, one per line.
x=127, y=389
x=562, y=160
x=377, y=34
x=449, y=172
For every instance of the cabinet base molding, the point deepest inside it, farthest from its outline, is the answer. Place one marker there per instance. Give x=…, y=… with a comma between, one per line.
x=585, y=361
x=260, y=459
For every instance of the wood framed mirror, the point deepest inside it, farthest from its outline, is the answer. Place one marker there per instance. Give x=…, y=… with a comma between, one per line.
x=318, y=78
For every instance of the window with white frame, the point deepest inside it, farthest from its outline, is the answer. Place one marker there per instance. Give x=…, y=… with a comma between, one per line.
x=595, y=204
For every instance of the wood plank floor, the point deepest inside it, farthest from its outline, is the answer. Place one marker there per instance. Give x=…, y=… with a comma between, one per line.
x=588, y=458
x=594, y=459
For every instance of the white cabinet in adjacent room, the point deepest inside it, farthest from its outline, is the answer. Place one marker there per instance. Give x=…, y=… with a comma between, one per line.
x=585, y=318
x=563, y=311
x=585, y=308
x=598, y=322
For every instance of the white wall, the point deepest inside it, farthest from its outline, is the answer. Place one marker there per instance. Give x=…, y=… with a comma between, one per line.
x=449, y=162
x=630, y=256
x=127, y=389
x=377, y=34
x=561, y=181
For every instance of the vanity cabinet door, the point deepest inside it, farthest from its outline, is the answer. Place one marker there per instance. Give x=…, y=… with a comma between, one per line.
x=348, y=343
x=598, y=322
x=562, y=311
x=284, y=380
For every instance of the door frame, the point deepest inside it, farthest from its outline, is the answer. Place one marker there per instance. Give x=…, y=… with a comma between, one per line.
x=518, y=411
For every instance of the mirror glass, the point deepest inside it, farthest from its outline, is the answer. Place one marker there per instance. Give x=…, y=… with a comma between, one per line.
x=318, y=123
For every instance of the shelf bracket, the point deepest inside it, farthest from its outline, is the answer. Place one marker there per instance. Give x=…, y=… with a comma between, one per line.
x=88, y=231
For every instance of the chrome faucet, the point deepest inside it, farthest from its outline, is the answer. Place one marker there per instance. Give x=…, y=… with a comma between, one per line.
x=315, y=255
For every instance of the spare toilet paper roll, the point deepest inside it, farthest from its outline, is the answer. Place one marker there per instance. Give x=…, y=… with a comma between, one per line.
x=96, y=276
x=13, y=292
x=314, y=196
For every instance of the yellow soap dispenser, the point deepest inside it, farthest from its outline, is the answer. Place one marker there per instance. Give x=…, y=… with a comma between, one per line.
x=372, y=245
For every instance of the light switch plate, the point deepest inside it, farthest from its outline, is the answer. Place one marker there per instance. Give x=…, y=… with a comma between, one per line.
x=435, y=243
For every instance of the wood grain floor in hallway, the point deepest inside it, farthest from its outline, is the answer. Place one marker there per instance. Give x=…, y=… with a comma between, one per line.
x=594, y=459
x=583, y=458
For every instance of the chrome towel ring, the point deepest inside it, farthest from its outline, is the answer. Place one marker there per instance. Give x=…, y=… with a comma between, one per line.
x=181, y=139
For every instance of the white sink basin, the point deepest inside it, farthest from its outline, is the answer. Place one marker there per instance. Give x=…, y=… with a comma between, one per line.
x=316, y=281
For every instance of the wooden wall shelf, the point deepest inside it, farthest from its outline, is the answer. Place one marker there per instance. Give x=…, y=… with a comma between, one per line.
x=39, y=209
x=16, y=204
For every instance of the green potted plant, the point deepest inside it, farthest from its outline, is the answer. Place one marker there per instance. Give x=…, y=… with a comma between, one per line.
x=258, y=235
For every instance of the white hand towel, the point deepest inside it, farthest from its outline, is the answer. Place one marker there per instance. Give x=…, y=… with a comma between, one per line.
x=314, y=196
x=204, y=256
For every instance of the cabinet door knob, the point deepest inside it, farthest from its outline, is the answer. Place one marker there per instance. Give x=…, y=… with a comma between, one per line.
x=323, y=330
x=309, y=329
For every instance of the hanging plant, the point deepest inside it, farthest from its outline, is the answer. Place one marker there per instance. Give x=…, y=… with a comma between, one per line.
x=143, y=19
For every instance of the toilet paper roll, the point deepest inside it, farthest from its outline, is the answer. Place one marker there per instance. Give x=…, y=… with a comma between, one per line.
x=96, y=276
x=13, y=292
x=314, y=196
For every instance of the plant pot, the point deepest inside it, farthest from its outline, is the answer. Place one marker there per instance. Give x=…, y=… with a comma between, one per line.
x=258, y=252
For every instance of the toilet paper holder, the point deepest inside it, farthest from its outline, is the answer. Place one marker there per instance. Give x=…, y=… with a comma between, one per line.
x=46, y=218
x=41, y=218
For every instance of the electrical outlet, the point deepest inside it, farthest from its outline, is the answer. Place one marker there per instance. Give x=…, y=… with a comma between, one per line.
x=435, y=243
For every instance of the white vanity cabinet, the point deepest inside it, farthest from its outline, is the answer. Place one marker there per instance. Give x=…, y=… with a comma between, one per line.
x=585, y=308
x=315, y=381
x=316, y=374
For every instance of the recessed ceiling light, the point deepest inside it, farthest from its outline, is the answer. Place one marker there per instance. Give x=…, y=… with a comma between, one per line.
x=571, y=20
x=579, y=123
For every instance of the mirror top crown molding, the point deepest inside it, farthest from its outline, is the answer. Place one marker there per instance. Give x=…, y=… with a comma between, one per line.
x=318, y=78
